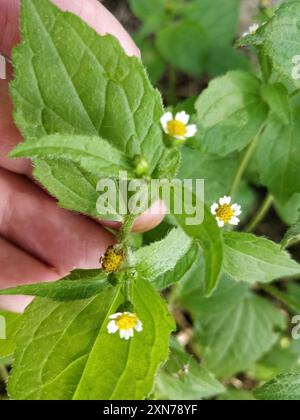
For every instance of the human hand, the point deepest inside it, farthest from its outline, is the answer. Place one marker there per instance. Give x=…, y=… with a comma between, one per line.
x=38, y=240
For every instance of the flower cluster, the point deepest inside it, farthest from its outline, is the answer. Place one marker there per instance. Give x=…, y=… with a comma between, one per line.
x=112, y=259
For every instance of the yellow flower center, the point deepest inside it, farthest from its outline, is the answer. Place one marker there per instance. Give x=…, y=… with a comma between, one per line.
x=112, y=260
x=225, y=213
x=126, y=321
x=176, y=128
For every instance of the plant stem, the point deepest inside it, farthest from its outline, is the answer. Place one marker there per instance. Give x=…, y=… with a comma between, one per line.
x=126, y=228
x=289, y=302
x=265, y=207
x=245, y=160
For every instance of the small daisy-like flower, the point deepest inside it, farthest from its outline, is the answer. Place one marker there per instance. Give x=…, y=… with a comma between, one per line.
x=252, y=30
x=178, y=126
x=226, y=212
x=126, y=323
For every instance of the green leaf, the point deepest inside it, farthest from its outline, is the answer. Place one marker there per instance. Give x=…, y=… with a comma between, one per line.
x=165, y=262
x=182, y=378
x=64, y=350
x=74, y=187
x=168, y=165
x=230, y=113
x=292, y=236
x=209, y=236
x=280, y=359
x=92, y=154
x=276, y=96
x=218, y=18
x=81, y=83
x=143, y=9
x=254, y=259
x=234, y=327
x=285, y=387
x=280, y=40
x=12, y=324
x=289, y=210
x=218, y=173
x=175, y=45
x=80, y=284
x=278, y=156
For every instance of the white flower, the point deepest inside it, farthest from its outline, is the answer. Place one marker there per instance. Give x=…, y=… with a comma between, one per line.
x=226, y=212
x=126, y=323
x=178, y=126
x=252, y=30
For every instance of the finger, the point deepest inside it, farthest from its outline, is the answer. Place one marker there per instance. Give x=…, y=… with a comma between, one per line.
x=147, y=221
x=17, y=267
x=33, y=221
x=91, y=11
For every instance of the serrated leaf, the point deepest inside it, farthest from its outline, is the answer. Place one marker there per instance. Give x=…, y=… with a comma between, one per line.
x=209, y=236
x=80, y=284
x=81, y=83
x=74, y=187
x=234, y=327
x=92, y=154
x=230, y=113
x=182, y=378
x=278, y=156
x=292, y=235
x=280, y=40
x=285, y=387
x=64, y=351
x=165, y=262
x=255, y=259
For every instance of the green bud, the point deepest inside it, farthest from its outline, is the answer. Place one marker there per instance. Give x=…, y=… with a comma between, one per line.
x=141, y=165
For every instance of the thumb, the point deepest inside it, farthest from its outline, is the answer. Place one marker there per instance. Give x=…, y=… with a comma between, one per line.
x=91, y=11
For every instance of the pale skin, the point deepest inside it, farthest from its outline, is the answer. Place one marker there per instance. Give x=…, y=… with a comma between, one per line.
x=38, y=240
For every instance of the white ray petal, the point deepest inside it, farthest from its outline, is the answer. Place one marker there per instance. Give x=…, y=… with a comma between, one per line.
x=112, y=327
x=167, y=117
x=114, y=316
x=220, y=222
x=225, y=200
x=234, y=221
x=122, y=333
x=139, y=326
x=214, y=208
x=191, y=130
x=182, y=117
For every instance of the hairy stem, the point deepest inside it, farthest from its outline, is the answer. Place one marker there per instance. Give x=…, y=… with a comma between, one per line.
x=127, y=228
x=260, y=215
